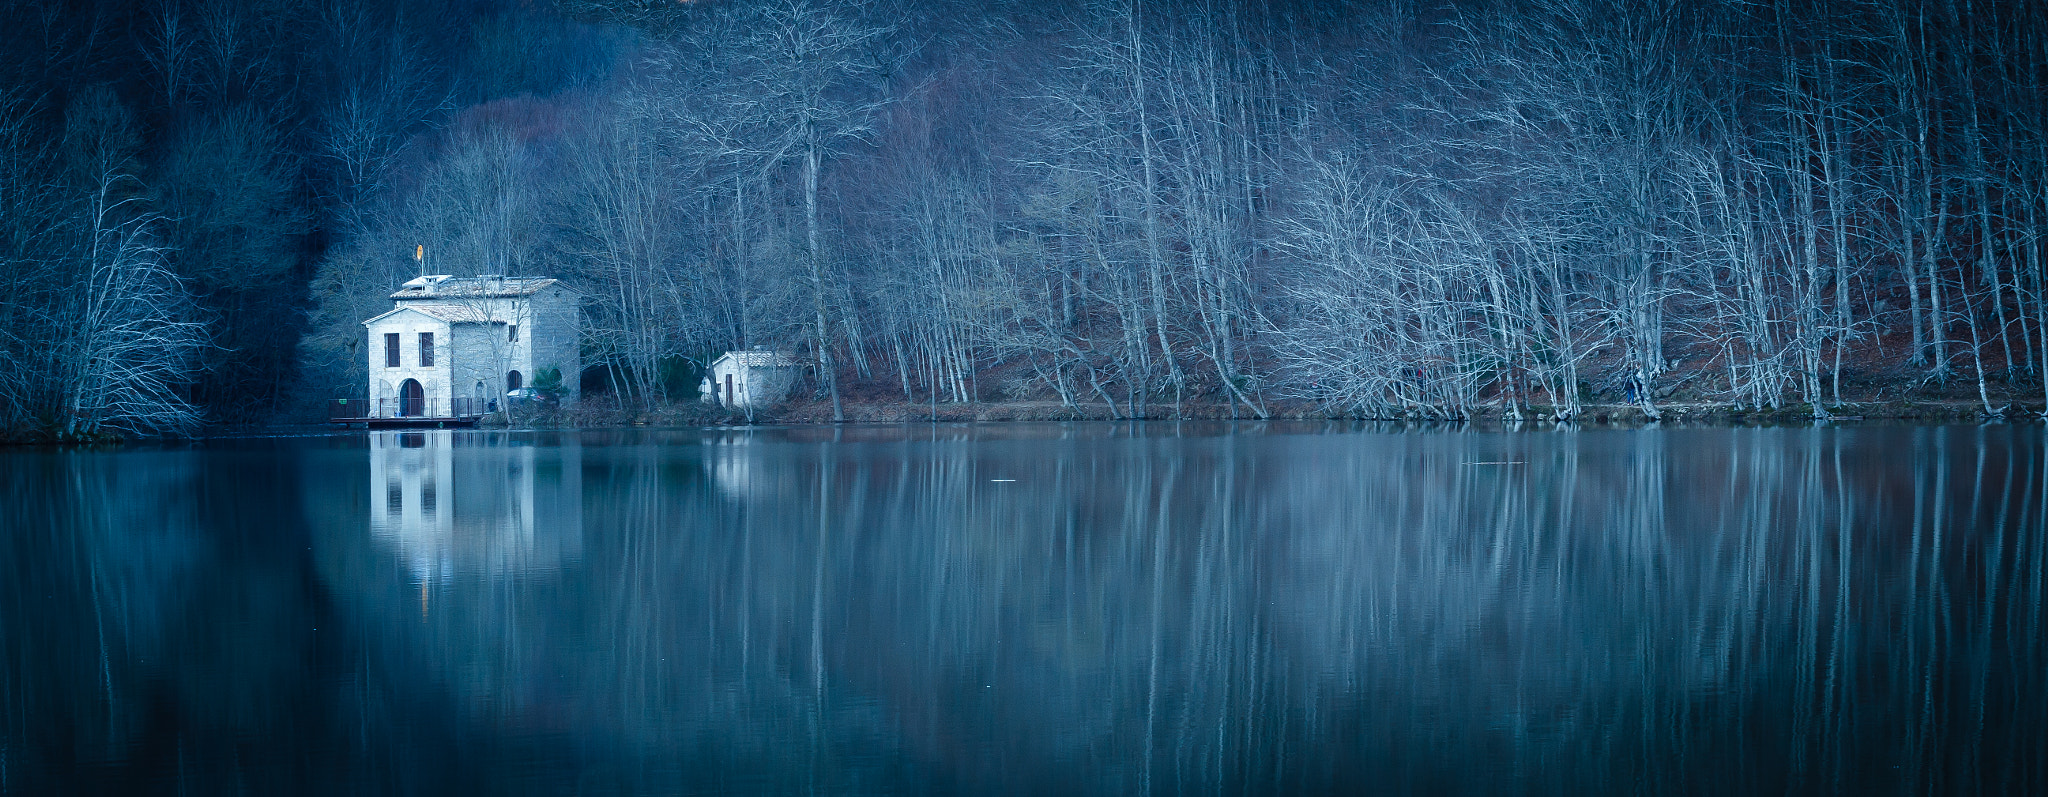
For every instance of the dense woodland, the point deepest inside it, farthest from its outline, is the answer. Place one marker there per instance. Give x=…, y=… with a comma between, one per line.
x=1131, y=207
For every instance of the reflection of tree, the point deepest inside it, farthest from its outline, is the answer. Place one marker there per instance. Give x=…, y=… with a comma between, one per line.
x=1312, y=612
x=144, y=630
x=1303, y=613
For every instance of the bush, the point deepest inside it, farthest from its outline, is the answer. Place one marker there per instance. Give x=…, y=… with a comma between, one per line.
x=548, y=383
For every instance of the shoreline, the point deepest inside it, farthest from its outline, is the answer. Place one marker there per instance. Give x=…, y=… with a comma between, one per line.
x=817, y=413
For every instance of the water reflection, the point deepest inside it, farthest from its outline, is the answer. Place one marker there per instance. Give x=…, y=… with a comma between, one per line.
x=1092, y=609
x=450, y=502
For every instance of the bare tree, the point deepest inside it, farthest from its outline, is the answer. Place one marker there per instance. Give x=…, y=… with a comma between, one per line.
x=1387, y=312
x=384, y=91
x=643, y=279
x=31, y=236
x=101, y=333
x=233, y=229
x=816, y=71
x=130, y=337
x=168, y=45
x=1133, y=203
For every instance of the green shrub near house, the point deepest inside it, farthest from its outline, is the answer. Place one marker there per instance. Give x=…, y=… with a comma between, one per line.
x=548, y=383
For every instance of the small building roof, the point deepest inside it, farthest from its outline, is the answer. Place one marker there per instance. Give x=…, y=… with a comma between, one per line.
x=757, y=358
x=489, y=286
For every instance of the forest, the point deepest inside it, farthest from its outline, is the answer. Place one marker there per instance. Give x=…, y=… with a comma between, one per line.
x=1121, y=208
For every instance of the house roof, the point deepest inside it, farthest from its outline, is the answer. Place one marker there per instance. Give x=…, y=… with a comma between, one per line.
x=443, y=286
x=757, y=358
x=389, y=313
x=446, y=313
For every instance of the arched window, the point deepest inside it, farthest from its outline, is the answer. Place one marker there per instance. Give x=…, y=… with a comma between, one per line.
x=512, y=380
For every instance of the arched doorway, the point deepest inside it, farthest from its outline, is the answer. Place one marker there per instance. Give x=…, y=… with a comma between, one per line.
x=512, y=380
x=412, y=399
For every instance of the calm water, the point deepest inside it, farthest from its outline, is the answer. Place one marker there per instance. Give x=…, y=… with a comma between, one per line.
x=1087, y=609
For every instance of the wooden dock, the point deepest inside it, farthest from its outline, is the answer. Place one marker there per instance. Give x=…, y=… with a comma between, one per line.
x=420, y=415
x=457, y=422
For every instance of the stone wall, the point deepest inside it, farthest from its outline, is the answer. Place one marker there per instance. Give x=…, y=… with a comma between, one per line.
x=556, y=322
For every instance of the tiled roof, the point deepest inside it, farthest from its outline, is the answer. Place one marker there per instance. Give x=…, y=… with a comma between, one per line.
x=454, y=313
x=445, y=311
x=442, y=286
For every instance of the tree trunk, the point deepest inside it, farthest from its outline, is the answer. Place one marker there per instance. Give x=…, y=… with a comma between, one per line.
x=814, y=254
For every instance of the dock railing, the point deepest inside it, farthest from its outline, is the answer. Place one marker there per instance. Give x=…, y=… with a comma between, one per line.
x=347, y=410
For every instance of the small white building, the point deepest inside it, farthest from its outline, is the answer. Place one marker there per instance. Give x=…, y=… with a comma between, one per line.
x=749, y=379
x=453, y=347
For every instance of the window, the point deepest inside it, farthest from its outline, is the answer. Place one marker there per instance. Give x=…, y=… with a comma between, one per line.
x=511, y=380
x=426, y=349
x=391, y=350
x=511, y=333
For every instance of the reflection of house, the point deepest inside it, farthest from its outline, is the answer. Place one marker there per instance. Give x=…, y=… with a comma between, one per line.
x=735, y=464
x=750, y=379
x=475, y=502
x=453, y=347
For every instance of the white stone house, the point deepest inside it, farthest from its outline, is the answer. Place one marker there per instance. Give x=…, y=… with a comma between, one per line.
x=454, y=346
x=749, y=379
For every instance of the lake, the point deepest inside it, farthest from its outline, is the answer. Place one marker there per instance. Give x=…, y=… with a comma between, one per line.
x=1060, y=608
